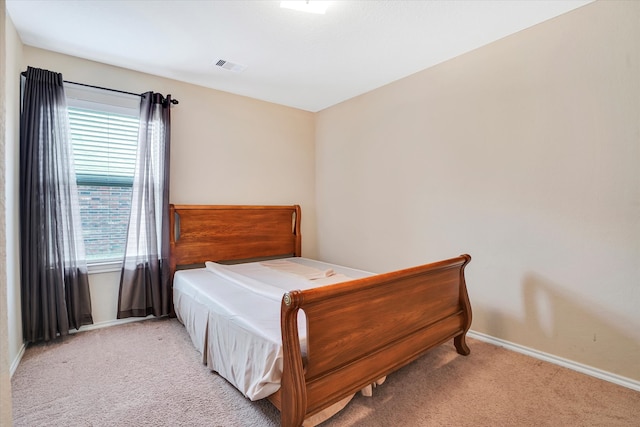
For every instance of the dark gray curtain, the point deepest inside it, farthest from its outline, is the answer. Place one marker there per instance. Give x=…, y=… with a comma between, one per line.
x=145, y=286
x=54, y=280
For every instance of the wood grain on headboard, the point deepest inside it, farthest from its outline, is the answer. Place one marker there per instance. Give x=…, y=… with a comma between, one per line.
x=200, y=233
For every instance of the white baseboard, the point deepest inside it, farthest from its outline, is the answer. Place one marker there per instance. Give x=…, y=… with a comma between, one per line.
x=16, y=361
x=108, y=323
x=579, y=367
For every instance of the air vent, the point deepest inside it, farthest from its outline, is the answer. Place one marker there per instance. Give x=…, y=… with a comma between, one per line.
x=230, y=66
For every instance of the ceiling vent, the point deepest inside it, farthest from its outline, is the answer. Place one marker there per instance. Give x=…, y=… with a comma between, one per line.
x=230, y=66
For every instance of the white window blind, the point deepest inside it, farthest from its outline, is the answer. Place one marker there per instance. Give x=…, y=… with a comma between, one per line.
x=104, y=146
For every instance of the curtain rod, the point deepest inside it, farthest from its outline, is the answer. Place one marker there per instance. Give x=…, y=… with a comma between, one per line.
x=173, y=101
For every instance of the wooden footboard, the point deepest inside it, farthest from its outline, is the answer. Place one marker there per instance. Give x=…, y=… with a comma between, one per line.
x=362, y=330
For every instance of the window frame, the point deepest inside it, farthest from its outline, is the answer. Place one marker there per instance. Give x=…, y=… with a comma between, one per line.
x=101, y=100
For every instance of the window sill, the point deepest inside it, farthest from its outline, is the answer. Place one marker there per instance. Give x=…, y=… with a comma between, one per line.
x=97, y=267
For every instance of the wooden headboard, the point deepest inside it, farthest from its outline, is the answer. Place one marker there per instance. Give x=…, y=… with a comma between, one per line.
x=200, y=233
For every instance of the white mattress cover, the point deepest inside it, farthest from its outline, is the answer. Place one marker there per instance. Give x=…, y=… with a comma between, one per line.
x=232, y=314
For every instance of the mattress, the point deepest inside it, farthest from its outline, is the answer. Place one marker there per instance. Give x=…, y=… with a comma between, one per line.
x=232, y=314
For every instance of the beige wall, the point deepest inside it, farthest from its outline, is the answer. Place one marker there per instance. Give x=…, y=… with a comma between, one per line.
x=225, y=149
x=5, y=385
x=6, y=311
x=524, y=154
x=12, y=208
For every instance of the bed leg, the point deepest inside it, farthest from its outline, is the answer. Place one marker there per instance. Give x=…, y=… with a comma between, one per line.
x=293, y=390
x=461, y=344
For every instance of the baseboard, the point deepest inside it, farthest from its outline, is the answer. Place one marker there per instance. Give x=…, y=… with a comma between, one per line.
x=108, y=323
x=579, y=367
x=16, y=361
x=99, y=325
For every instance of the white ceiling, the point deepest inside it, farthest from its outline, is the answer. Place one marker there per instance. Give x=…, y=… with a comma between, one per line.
x=296, y=59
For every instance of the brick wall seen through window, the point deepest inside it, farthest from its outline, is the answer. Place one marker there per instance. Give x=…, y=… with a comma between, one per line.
x=104, y=212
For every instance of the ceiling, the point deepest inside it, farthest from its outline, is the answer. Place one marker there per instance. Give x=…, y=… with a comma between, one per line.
x=302, y=60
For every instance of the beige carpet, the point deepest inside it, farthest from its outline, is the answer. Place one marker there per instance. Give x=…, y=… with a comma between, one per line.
x=149, y=374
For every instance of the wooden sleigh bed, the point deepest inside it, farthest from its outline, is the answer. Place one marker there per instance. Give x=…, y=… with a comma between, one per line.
x=357, y=331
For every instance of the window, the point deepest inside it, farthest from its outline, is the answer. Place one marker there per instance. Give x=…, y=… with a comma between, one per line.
x=104, y=138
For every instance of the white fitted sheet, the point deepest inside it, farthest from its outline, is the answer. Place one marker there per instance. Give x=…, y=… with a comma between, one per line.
x=232, y=313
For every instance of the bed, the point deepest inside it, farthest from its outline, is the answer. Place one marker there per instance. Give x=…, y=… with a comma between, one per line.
x=326, y=336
